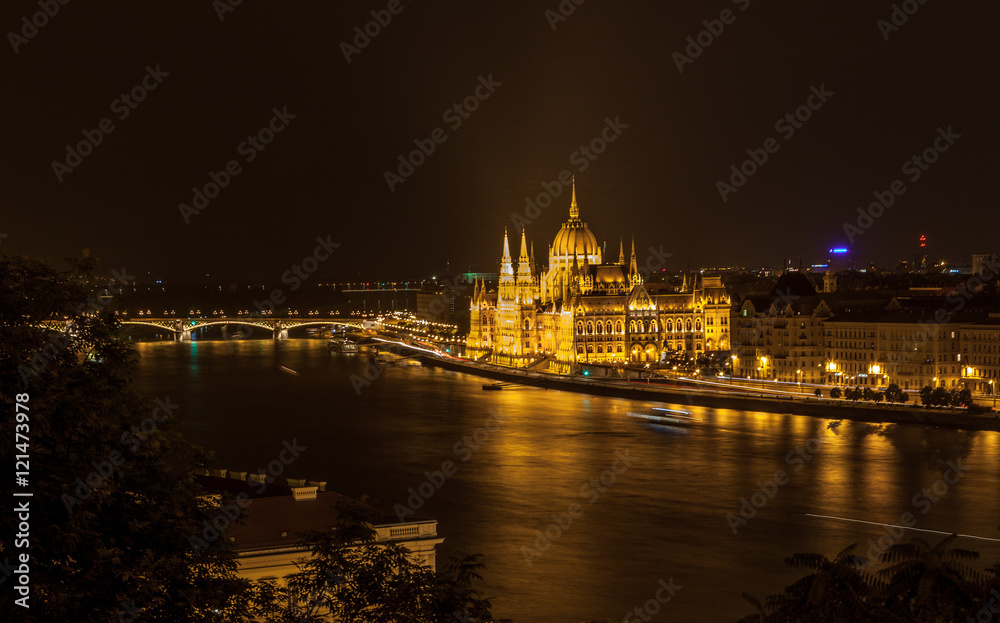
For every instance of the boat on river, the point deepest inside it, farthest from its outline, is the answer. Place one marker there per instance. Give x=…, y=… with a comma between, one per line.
x=669, y=417
x=343, y=345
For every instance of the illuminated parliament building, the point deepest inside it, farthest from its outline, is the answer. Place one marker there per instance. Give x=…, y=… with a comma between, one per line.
x=583, y=309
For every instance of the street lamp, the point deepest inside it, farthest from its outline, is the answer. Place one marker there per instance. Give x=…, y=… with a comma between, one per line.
x=798, y=375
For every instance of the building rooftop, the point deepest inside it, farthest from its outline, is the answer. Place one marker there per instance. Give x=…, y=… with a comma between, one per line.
x=278, y=513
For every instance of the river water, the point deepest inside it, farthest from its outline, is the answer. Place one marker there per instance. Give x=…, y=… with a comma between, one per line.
x=531, y=461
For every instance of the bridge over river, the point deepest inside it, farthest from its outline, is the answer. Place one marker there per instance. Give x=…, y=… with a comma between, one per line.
x=182, y=328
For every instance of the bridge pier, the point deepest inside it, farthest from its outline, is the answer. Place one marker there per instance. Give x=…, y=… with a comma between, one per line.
x=182, y=336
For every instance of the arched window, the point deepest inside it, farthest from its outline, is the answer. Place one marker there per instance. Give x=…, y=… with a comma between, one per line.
x=527, y=324
x=618, y=327
x=579, y=349
x=600, y=327
x=688, y=324
x=670, y=326
x=579, y=327
x=697, y=346
x=590, y=349
x=619, y=349
x=631, y=326
x=652, y=326
x=590, y=328
x=697, y=324
x=600, y=348
x=609, y=326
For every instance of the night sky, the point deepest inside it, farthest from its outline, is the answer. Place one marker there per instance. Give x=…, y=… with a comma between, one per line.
x=324, y=173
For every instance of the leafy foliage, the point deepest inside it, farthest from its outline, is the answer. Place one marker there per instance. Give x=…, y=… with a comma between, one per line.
x=893, y=393
x=931, y=582
x=941, y=397
x=115, y=510
x=113, y=504
x=356, y=579
x=918, y=583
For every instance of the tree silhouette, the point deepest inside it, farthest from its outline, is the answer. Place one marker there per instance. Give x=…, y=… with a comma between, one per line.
x=926, y=395
x=930, y=582
x=835, y=590
x=919, y=584
x=113, y=505
x=960, y=398
x=355, y=579
x=893, y=393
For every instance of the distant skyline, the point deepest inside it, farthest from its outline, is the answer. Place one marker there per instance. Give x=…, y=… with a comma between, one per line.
x=726, y=133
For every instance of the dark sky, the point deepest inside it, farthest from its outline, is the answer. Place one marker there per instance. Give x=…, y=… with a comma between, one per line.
x=324, y=173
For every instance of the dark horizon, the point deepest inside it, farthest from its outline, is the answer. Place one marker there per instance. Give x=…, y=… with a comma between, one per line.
x=879, y=97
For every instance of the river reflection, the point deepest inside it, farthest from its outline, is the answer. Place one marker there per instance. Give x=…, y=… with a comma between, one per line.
x=660, y=514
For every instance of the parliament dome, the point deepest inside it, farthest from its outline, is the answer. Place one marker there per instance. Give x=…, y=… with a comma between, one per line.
x=575, y=237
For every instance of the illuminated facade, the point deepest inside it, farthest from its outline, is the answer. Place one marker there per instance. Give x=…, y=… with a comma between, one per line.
x=582, y=308
x=863, y=338
x=780, y=336
x=912, y=350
